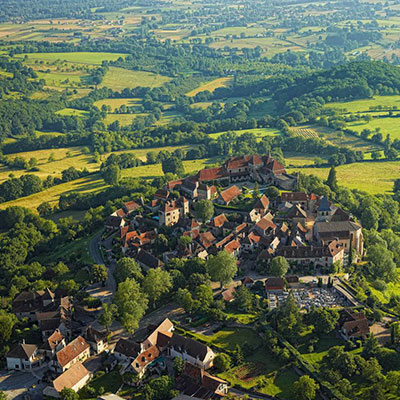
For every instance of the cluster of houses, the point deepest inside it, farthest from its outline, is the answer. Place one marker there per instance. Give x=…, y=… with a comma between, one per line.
x=304, y=228
x=64, y=350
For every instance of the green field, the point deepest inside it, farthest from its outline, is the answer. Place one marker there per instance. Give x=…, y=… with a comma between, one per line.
x=72, y=111
x=371, y=177
x=334, y=137
x=91, y=183
x=117, y=103
x=77, y=57
x=258, y=132
x=365, y=104
x=64, y=158
x=120, y=78
x=389, y=126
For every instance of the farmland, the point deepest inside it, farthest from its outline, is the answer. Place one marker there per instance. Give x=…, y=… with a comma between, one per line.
x=387, y=126
x=119, y=78
x=76, y=57
x=371, y=177
x=364, y=105
x=258, y=132
x=211, y=86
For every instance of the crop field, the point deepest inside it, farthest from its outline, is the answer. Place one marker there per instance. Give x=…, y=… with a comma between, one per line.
x=366, y=104
x=339, y=139
x=387, y=126
x=371, y=177
x=75, y=57
x=120, y=78
x=211, y=86
x=305, y=132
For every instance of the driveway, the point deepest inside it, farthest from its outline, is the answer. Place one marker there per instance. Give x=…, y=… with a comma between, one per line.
x=17, y=384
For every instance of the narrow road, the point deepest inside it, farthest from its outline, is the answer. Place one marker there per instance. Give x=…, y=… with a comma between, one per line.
x=107, y=292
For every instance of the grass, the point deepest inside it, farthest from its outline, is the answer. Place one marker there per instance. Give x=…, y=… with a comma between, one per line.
x=211, y=86
x=120, y=78
x=389, y=126
x=258, y=132
x=229, y=338
x=151, y=171
x=79, y=248
x=335, y=137
x=54, y=168
x=124, y=119
x=72, y=112
x=371, y=177
x=365, y=104
x=117, y=103
x=88, y=184
x=75, y=57
x=262, y=372
x=110, y=382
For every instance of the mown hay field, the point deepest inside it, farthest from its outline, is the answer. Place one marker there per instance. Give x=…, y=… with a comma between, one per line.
x=211, y=86
x=120, y=78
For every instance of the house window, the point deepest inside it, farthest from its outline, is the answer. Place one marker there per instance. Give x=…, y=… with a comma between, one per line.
x=143, y=359
x=137, y=365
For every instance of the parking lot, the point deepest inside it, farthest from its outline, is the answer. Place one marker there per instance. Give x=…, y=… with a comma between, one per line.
x=306, y=298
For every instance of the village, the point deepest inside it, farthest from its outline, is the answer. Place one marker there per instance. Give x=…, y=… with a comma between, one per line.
x=315, y=237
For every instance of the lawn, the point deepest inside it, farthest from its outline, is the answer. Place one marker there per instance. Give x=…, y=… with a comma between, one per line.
x=262, y=372
x=75, y=57
x=389, y=126
x=229, y=338
x=211, y=86
x=365, y=104
x=120, y=78
x=371, y=177
x=110, y=382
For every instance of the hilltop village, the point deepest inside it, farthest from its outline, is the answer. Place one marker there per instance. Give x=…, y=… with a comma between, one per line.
x=242, y=213
x=304, y=228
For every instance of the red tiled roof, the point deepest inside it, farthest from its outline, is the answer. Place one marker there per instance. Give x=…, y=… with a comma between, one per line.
x=232, y=246
x=206, y=239
x=70, y=377
x=294, y=196
x=211, y=174
x=219, y=220
x=229, y=194
x=72, y=350
x=229, y=294
x=265, y=223
x=145, y=358
x=131, y=205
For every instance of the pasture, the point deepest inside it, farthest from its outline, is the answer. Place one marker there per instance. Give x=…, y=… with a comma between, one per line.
x=117, y=103
x=211, y=86
x=74, y=57
x=364, y=105
x=87, y=184
x=258, y=132
x=388, y=126
x=120, y=78
x=371, y=177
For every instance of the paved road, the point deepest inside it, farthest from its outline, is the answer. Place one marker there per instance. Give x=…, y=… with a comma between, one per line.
x=105, y=293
